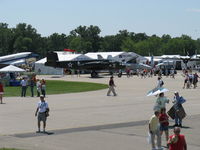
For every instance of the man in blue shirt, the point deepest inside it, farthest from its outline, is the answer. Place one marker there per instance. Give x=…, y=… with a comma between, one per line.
x=23, y=84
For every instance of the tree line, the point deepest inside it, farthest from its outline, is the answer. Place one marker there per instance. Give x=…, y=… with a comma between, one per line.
x=85, y=39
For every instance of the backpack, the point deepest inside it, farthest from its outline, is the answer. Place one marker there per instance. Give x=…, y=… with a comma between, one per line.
x=162, y=83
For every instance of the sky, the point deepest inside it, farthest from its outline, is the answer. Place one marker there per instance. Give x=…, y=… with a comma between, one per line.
x=173, y=17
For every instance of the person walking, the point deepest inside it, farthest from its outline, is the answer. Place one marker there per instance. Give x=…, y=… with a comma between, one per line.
x=1, y=92
x=24, y=85
x=177, y=141
x=160, y=82
x=154, y=131
x=42, y=112
x=195, y=79
x=111, y=87
x=164, y=123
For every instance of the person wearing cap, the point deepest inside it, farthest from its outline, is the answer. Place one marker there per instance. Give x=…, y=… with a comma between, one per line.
x=42, y=112
x=178, y=100
x=177, y=141
x=111, y=87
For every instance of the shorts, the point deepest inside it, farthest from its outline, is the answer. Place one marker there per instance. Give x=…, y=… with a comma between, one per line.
x=163, y=128
x=185, y=81
x=42, y=117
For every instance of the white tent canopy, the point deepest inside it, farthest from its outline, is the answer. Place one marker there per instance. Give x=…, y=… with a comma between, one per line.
x=11, y=68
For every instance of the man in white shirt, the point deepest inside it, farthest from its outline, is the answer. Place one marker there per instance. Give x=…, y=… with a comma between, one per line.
x=42, y=112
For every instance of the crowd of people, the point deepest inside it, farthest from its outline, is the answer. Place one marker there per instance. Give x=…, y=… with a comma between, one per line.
x=191, y=79
x=159, y=122
x=32, y=82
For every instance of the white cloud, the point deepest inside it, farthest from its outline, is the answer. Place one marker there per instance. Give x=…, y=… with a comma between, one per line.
x=193, y=10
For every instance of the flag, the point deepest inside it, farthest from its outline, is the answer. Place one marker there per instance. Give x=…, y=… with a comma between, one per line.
x=69, y=50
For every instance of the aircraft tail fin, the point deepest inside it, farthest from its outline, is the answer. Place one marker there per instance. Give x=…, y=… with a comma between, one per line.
x=52, y=58
x=109, y=57
x=99, y=57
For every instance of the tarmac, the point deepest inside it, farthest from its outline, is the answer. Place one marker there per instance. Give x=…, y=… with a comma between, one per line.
x=94, y=121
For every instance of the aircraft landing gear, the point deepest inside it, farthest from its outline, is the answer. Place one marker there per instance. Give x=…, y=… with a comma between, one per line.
x=94, y=74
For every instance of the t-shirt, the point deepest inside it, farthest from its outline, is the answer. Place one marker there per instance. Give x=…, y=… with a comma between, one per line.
x=23, y=83
x=1, y=88
x=161, y=101
x=160, y=83
x=163, y=117
x=38, y=84
x=42, y=106
x=154, y=122
x=111, y=82
x=179, y=145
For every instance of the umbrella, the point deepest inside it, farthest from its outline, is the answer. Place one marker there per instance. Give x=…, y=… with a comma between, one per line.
x=11, y=68
x=157, y=91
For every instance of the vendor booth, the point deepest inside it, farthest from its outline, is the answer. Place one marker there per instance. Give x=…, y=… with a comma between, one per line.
x=9, y=77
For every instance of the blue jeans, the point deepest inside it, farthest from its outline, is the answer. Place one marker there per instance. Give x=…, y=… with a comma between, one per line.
x=177, y=119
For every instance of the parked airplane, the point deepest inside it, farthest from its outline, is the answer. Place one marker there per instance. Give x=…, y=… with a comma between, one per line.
x=93, y=65
x=186, y=59
x=18, y=58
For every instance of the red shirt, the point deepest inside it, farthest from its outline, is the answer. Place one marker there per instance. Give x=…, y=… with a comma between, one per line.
x=179, y=145
x=1, y=88
x=164, y=117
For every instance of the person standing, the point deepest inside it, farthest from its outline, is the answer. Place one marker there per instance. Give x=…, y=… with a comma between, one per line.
x=154, y=131
x=1, y=92
x=42, y=112
x=161, y=102
x=164, y=123
x=177, y=141
x=178, y=101
x=24, y=85
x=111, y=87
x=32, y=84
x=43, y=87
x=38, y=86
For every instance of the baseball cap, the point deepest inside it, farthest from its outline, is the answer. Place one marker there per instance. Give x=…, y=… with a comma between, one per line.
x=42, y=96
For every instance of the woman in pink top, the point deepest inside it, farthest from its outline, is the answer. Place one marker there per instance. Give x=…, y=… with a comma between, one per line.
x=1, y=93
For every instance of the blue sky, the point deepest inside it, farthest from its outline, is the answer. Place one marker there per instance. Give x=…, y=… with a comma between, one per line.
x=173, y=17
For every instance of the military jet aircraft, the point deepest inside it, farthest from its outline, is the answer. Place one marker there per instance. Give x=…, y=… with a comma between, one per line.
x=93, y=65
